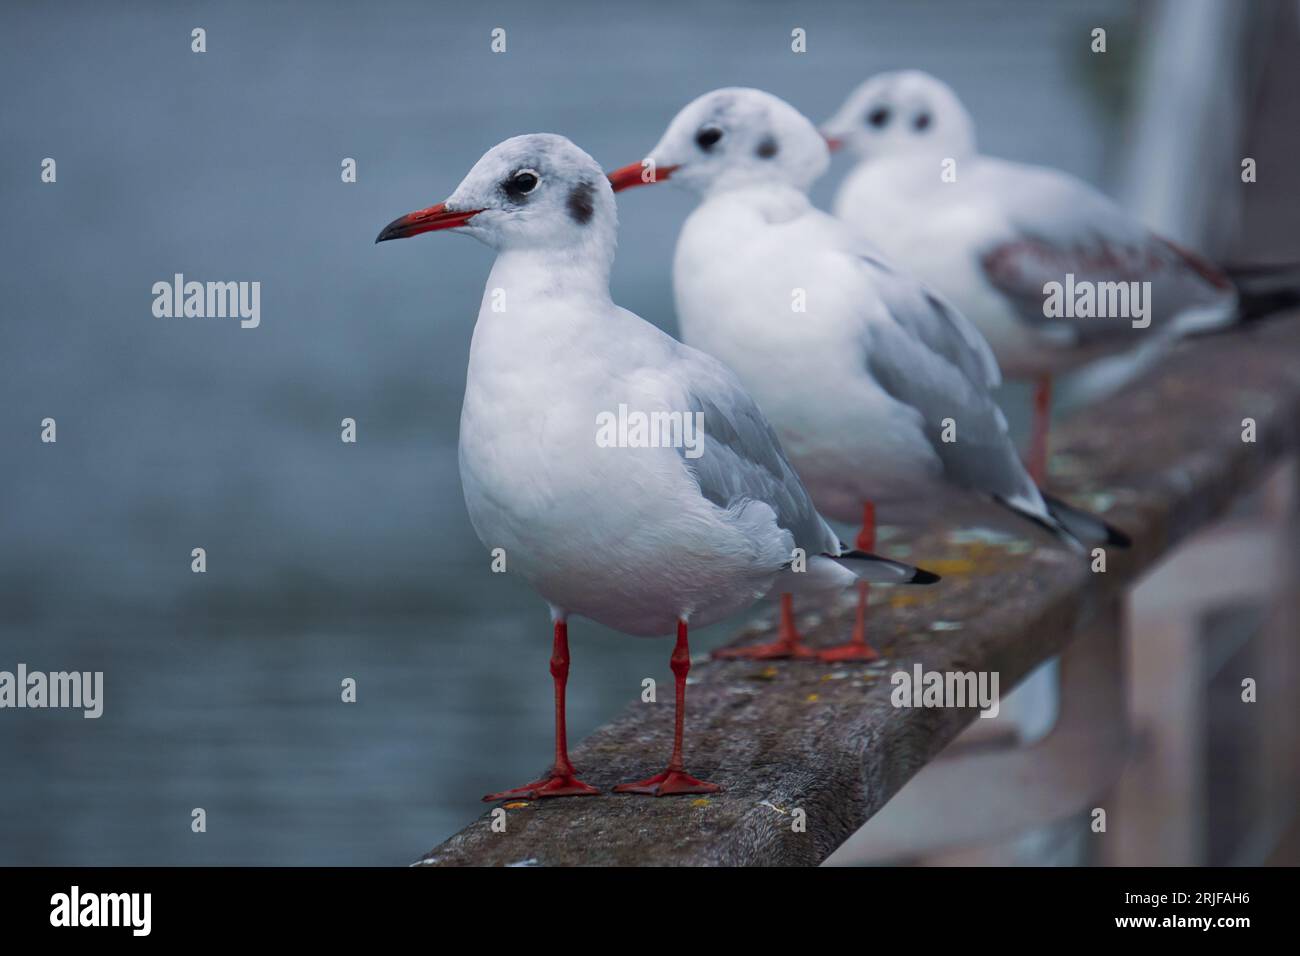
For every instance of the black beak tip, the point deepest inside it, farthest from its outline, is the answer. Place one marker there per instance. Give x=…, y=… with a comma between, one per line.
x=394, y=230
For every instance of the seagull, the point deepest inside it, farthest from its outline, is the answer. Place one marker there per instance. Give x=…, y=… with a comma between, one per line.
x=993, y=236
x=648, y=534
x=878, y=388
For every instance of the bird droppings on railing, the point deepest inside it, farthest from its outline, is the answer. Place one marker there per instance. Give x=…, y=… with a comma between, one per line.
x=825, y=743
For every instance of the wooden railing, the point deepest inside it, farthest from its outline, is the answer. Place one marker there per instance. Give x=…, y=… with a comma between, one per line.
x=824, y=746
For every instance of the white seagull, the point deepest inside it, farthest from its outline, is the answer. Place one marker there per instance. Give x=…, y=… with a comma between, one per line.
x=993, y=236
x=647, y=537
x=878, y=389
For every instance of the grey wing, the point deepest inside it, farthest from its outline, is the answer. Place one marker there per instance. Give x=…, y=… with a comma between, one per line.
x=934, y=321
x=742, y=458
x=980, y=455
x=930, y=358
x=1059, y=227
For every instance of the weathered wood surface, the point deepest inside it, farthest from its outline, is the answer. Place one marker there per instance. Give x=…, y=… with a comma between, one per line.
x=1159, y=459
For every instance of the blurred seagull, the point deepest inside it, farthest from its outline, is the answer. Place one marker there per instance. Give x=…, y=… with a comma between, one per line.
x=878, y=389
x=1053, y=273
x=644, y=538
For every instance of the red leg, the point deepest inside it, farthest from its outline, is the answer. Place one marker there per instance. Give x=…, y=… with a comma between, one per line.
x=561, y=781
x=857, y=649
x=788, y=642
x=675, y=779
x=1038, y=451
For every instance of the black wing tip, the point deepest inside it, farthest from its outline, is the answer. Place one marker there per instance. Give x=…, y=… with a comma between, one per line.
x=919, y=575
x=1115, y=538
x=1058, y=530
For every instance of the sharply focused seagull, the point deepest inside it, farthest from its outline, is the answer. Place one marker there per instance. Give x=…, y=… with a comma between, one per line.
x=878, y=388
x=1037, y=259
x=645, y=538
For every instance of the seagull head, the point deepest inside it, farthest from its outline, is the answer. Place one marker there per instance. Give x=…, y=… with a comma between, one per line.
x=899, y=113
x=538, y=190
x=733, y=138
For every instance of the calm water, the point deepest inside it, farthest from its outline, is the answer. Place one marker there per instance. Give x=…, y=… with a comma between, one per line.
x=327, y=560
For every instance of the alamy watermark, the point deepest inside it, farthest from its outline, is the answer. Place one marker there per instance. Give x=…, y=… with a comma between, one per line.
x=922, y=688
x=658, y=429
x=75, y=908
x=1085, y=299
x=208, y=300
x=82, y=690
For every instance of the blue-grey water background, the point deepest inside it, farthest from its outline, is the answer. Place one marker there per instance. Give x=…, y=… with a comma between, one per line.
x=328, y=560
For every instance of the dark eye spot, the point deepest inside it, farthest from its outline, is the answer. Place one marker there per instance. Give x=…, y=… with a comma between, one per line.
x=707, y=137
x=767, y=148
x=521, y=183
x=581, y=203
x=878, y=117
x=921, y=123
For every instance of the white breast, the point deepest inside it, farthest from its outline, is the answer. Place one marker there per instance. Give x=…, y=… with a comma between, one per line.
x=620, y=535
x=773, y=296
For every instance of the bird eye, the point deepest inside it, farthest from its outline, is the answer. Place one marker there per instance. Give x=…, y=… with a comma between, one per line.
x=921, y=123
x=522, y=182
x=707, y=137
x=878, y=117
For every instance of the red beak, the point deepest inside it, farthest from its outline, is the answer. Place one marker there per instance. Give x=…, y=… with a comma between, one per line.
x=833, y=144
x=634, y=174
x=426, y=220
